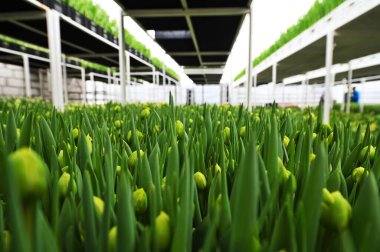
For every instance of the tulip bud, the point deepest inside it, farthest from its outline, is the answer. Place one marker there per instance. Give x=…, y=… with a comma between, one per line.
x=118, y=124
x=314, y=136
x=229, y=113
x=336, y=211
x=180, y=129
x=75, y=133
x=145, y=113
x=162, y=231
x=99, y=206
x=118, y=169
x=60, y=159
x=242, y=131
x=331, y=137
x=140, y=201
x=6, y=241
x=63, y=184
x=226, y=133
x=357, y=173
x=30, y=173
x=133, y=159
x=286, y=141
x=217, y=168
x=140, y=135
x=200, y=180
x=312, y=157
x=112, y=239
x=89, y=143
x=364, y=151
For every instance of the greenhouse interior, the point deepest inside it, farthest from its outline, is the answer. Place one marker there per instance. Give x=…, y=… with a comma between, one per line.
x=190, y=125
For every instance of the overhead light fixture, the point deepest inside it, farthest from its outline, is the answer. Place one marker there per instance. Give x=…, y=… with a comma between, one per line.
x=176, y=34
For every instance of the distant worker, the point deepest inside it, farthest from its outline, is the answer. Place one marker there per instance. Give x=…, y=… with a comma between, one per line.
x=355, y=98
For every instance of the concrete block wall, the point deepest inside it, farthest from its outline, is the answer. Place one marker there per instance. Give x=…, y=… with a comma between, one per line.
x=12, y=83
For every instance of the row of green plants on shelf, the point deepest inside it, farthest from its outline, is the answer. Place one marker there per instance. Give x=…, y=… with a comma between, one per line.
x=319, y=9
x=96, y=14
x=84, y=63
x=159, y=177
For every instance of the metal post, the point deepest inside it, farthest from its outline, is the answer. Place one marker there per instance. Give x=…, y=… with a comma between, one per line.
x=164, y=83
x=84, y=88
x=109, y=84
x=122, y=58
x=328, y=79
x=283, y=94
x=128, y=84
x=274, y=81
x=28, y=89
x=55, y=52
x=92, y=80
x=250, y=59
x=349, y=84
x=41, y=81
x=306, y=90
x=64, y=74
x=254, y=87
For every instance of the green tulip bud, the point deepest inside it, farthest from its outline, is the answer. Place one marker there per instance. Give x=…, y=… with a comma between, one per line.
x=140, y=200
x=75, y=133
x=118, y=124
x=89, y=143
x=118, y=169
x=117, y=108
x=312, y=157
x=336, y=211
x=140, y=135
x=162, y=231
x=226, y=133
x=314, y=136
x=357, y=173
x=63, y=184
x=112, y=239
x=200, y=180
x=163, y=183
x=145, y=113
x=331, y=137
x=180, y=129
x=99, y=206
x=256, y=119
x=133, y=159
x=60, y=159
x=229, y=113
x=190, y=121
x=364, y=151
x=30, y=173
x=286, y=141
x=242, y=131
x=217, y=168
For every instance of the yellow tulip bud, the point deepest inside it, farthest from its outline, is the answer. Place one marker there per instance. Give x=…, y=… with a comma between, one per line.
x=336, y=211
x=162, y=231
x=200, y=180
x=140, y=200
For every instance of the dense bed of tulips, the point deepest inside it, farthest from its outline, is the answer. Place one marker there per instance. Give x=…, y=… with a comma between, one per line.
x=156, y=177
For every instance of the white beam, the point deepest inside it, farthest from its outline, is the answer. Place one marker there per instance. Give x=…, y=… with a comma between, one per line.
x=191, y=12
x=329, y=76
x=122, y=58
x=250, y=63
x=201, y=71
x=55, y=52
x=28, y=90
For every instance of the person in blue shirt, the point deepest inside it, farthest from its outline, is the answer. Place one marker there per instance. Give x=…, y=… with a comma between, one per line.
x=355, y=98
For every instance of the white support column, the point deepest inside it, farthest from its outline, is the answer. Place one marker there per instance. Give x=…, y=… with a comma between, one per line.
x=349, y=84
x=92, y=80
x=274, y=81
x=84, y=88
x=64, y=79
x=250, y=63
x=55, y=52
x=128, y=79
x=28, y=89
x=41, y=81
x=122, y=58
x=109, y=84
x=254, y=87
x=166, y=95
x=328, y=79
x=283, y=94
x=306, y=90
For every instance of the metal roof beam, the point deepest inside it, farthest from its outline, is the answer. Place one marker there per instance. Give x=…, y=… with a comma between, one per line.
x=203, y=71
x=221, y=53
x=193, y=12
x=92, y=55
x=22, y=16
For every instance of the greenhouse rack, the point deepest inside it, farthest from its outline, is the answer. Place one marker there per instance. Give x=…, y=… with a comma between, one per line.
x=44, y=26
x=327, y=42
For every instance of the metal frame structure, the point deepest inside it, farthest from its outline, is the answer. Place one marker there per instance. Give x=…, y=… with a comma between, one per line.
x=57, y=65
x=347, y=12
